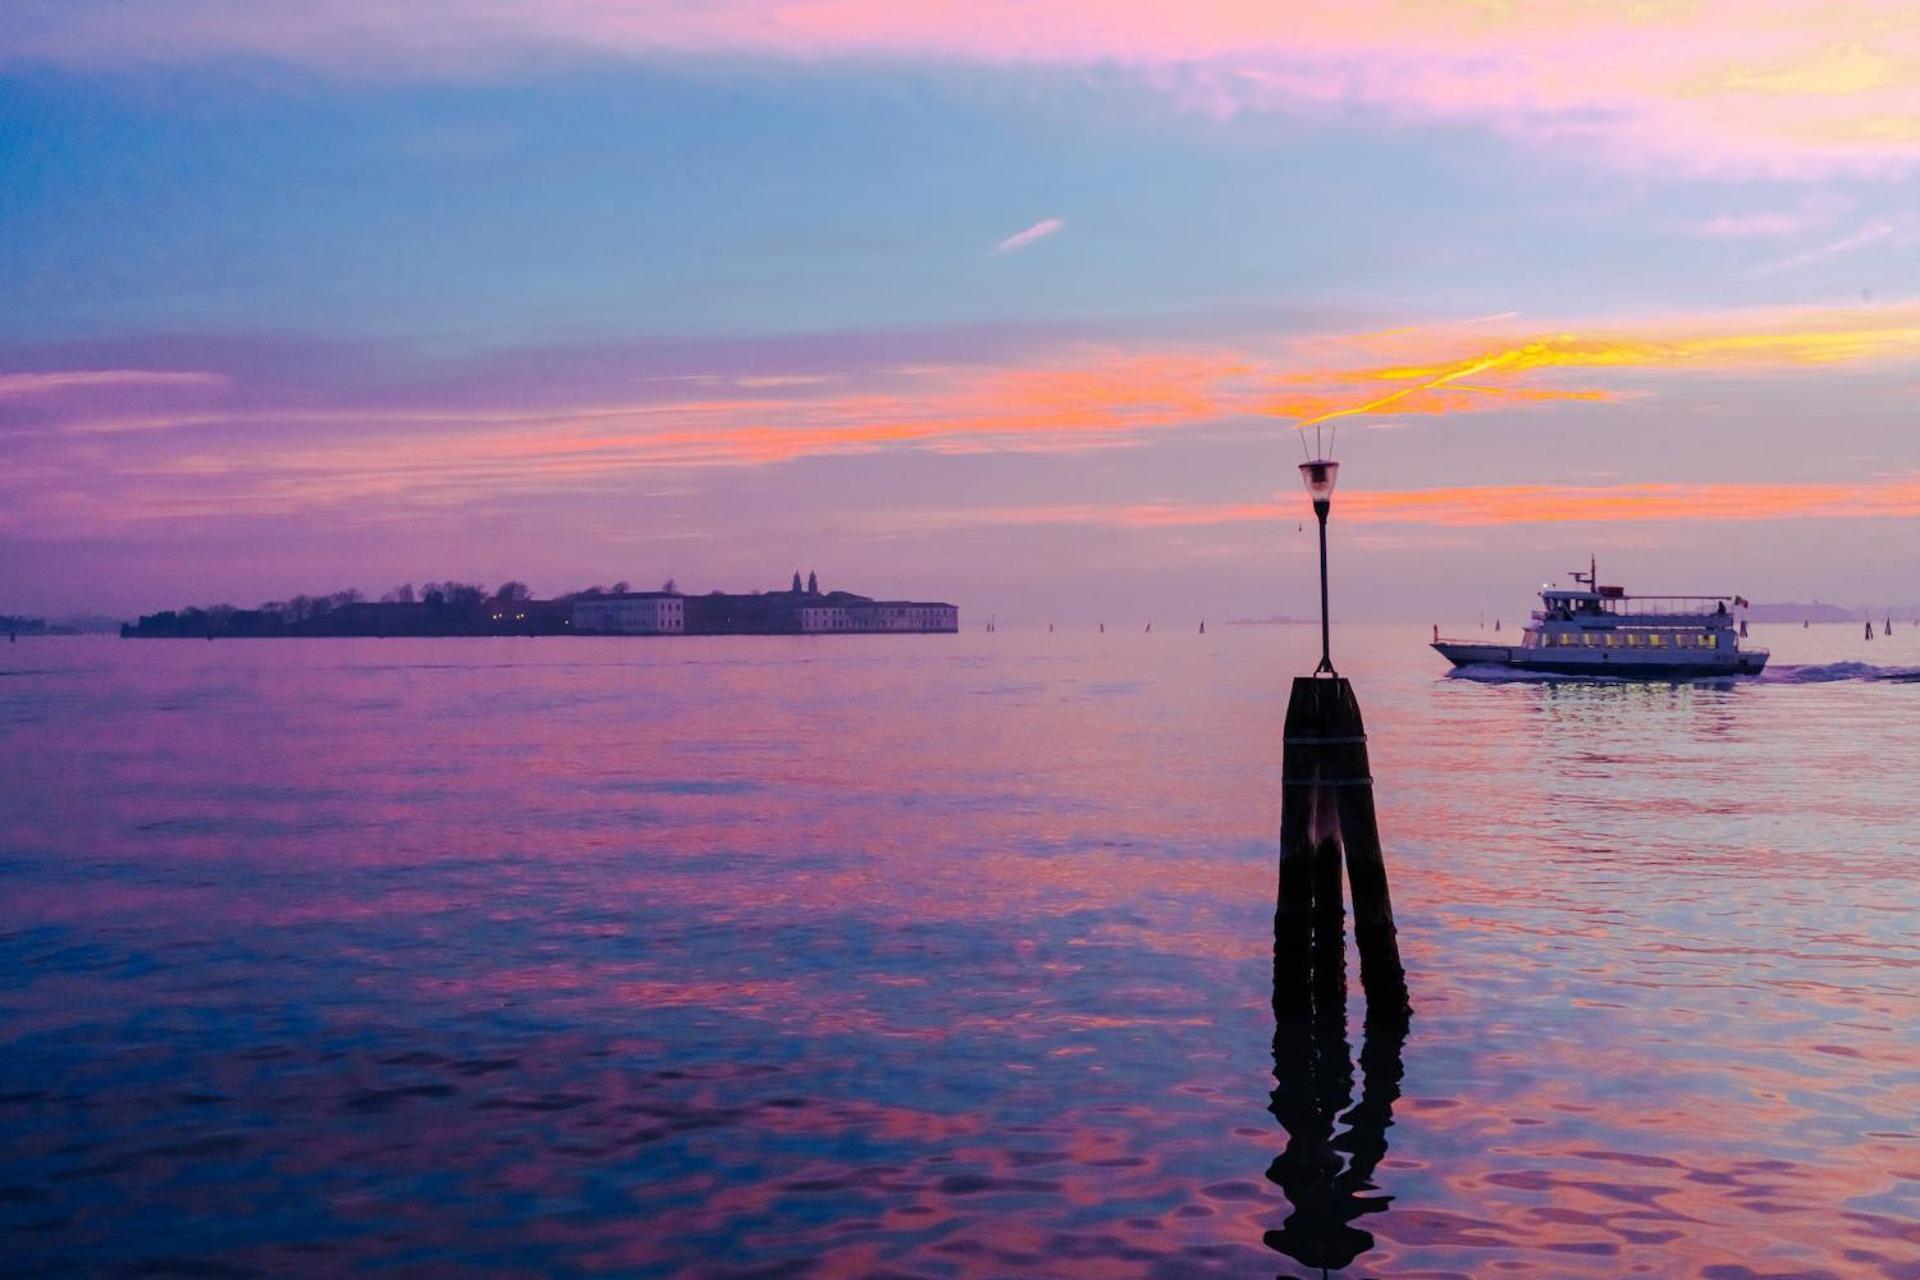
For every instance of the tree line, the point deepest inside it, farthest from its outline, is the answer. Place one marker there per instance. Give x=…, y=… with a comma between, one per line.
x=436, y=608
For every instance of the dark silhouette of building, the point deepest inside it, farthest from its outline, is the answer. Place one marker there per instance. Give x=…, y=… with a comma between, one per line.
x=808, y=611
x=460, y=610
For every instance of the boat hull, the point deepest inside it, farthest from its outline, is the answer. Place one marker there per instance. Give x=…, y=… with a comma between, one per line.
x=1611, y=664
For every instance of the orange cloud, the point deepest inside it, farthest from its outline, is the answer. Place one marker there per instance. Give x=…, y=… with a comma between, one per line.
x=1788, y=341
x=1587, y=504
x=85, y=464
x=1483, y=505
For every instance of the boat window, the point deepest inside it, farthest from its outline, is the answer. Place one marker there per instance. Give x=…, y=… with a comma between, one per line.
x=1588, y=639
x=1657, y=640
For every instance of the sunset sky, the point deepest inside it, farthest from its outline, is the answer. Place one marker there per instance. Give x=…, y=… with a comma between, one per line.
x=1017, y=305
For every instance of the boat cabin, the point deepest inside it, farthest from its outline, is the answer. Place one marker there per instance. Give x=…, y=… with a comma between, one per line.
x=1608, y=618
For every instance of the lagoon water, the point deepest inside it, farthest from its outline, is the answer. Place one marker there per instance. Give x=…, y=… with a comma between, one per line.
x=937, y=957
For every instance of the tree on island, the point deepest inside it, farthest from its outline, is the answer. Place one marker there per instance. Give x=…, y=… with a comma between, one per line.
x=456, y=597
x=621, y=587
x=670, y=587
x=513, y=593
x=402, y=594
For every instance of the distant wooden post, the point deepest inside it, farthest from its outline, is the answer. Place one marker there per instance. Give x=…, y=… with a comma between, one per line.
x=1326, y=807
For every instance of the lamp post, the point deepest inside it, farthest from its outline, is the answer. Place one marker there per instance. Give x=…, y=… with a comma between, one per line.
x=1318, y=475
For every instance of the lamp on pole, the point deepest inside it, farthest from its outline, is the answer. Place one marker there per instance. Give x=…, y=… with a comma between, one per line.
x=1318, y=475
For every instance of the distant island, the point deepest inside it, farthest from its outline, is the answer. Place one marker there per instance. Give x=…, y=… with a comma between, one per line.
x=467, y=609
x=79, y=624
x=1272, y=620
x=1818, y=612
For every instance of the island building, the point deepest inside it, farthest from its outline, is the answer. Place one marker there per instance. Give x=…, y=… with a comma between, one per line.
x=800, y=610
x=634, y=613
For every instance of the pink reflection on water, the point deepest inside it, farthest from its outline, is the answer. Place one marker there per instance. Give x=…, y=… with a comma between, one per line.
x=938, y=960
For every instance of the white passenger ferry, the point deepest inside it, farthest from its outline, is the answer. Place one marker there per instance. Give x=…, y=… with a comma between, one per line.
x=1603, y=631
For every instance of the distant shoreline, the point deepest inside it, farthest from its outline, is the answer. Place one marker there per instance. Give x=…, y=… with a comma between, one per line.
x=461, y=609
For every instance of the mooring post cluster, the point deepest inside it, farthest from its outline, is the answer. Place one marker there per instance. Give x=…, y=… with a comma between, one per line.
x=1326, y=812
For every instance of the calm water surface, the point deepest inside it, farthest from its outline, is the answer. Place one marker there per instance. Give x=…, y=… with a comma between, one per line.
x=938, y=957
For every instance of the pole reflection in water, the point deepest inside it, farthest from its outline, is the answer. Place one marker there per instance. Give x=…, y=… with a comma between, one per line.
x=1326, y=1176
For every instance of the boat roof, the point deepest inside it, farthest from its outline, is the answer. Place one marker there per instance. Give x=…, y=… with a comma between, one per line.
x=1616, y=593
x=1592, y=590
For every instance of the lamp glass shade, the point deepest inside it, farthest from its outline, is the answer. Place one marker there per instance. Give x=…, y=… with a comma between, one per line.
x=1319, y=476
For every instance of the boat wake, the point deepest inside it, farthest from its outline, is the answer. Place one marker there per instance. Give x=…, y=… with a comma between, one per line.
x=1827, y=672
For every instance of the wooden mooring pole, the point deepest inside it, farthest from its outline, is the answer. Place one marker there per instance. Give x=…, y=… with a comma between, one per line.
x=1326, y=808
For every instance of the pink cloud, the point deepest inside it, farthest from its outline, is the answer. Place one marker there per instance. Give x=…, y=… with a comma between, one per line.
x=1748, y=226
x=1038, y=231
x=27, y=384
x=1754, y=86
